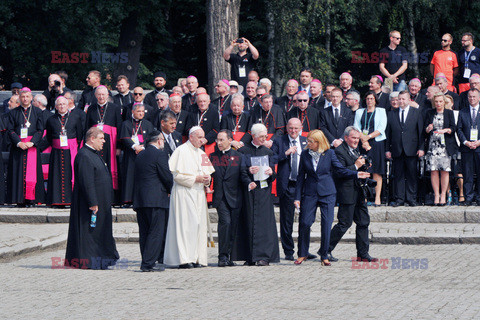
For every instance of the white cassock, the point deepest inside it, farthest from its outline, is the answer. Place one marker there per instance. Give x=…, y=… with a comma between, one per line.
x=186, y=240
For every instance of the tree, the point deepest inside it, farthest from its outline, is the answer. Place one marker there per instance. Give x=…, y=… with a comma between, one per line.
x=222, y=28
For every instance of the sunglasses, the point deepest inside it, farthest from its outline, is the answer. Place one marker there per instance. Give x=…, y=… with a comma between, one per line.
x=398, y=38
x=444, y=40
x=259, y=95
x=302, y=100
x=138, y=94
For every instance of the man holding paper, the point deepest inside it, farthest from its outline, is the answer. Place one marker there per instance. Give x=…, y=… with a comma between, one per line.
x=257, y=239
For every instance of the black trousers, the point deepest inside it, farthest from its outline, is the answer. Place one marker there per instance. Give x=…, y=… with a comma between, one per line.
x=405, y=178
x=348, y=213
x=152, y=225
x=227, y=228
x=470, y=166
x=287, y=214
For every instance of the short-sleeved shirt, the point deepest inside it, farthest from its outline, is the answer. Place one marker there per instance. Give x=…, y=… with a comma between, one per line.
x=241, y=66
x=445, y=61
x=394, y=59
x=473, y=63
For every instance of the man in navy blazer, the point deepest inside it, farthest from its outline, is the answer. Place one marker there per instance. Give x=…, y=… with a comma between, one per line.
x=287, y=149
x=334, y=119
x=168, y=124
x=467, y=131
x=153, y=183
x=405, y=144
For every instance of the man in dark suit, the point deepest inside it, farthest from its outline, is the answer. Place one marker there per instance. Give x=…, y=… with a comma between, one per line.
x=287, y=149
x=351, y=199
x=405, y=144
x=309, y=116
x=227, y=195
x=153, y=183
x=173, y=139
x=335, y=119
x=124, y=97
x=467, y=131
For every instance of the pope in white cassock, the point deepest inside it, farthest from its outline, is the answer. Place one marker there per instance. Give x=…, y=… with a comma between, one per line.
x=186, y=240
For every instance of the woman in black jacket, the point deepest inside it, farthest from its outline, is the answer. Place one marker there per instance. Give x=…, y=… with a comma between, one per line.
x=440, y=146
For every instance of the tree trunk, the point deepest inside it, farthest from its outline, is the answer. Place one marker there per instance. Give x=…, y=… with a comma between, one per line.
x=271, y=48
x=328, y=34
x=412, y=43
x=222, y=27
x=130, y=49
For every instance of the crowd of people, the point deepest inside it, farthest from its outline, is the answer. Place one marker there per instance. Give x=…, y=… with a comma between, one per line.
x=318, y=145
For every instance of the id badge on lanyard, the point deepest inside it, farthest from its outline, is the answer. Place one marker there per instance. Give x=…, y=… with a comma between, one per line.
x=135, y=139
x=242, y=72
x=23, y=133
x=473, y=134
x=365, y=132
x=63, y=140
x=100, y=126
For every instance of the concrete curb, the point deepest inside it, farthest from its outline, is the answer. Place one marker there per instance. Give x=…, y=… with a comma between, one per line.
x=8, y=253
x=453, y=214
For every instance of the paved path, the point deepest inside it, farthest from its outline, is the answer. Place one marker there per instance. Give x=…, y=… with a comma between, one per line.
x=446, y=287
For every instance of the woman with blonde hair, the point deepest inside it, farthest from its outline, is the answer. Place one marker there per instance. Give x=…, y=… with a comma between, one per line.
x=315, y=187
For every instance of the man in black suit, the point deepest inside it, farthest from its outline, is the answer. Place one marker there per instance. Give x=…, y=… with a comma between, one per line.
x=467, y=131
x=173, y=139
x=405, y=144
x=351, y=199
x=287, y=149
x=227, y=195
x=335, y=119
x=153, y=183
x=309, y=116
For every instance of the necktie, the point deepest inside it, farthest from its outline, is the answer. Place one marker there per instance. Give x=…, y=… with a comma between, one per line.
x=170, y=142
x=294, y=162
x=335, y=114
x=474, y=115
x=355, y=153
x=402, y=120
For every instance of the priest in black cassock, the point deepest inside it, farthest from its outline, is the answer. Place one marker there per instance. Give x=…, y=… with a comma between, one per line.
x=91, y=246
x=64, y=135
x=309, y=116
x=257, y=238
x=206, y=116
x=25, y=177
x=133, y=134
x=182, y=116
x=271, y=116
x=107, y=117
x=238, y=122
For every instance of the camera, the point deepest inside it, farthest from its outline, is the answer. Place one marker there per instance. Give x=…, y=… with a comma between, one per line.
x=239, y=40
x=368, y=162
x=56, y=86
x=367, y=185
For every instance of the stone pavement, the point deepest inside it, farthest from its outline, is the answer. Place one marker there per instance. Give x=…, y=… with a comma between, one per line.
x=443, y=283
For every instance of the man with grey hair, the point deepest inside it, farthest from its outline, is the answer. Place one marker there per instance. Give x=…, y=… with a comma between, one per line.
x=189, y=98
x=352, y=101
x=186, y=240
x=107, y=117
x=267, y=83
x=442, y=83
x=40, y=101
x=351, y=199
x=237, y=121
x=175, y=105
x=346, y=81
x=271, y=116
x=309, y=116
x=417, y=99
x=257, y=238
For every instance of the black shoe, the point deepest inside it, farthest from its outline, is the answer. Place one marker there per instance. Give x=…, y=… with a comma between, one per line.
x=289, y=257
x=311, y=256
x=396, y=204
x=263, y=263
x=222, y=263
x=411, y=204
x=249, y=263
x=467, y=203
x=159, y=268
x=331, y=258
x=230, y=263
x=186, y=266
x=143, y=269
x=198, y=265
x=367, y=258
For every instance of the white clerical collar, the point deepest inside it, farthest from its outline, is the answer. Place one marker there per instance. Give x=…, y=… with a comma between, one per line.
x=63, y=114
x=255, y=145
x=103, y=105
x=225, y=151
x=90, y=147
x=126, y=94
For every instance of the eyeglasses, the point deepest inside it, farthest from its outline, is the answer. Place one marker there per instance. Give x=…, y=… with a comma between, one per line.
x=138, y=94
x=302, y=100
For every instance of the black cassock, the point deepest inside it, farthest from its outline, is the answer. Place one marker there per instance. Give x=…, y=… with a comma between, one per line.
x=59, y=190
x=143, y=128
x=111, y=116
x=239, y=125
x=19, y=187
x=3, y=130
x=87, y=247
x=257, y=237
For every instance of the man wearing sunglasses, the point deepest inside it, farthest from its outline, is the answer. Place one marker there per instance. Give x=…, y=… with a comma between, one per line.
x=138, y=98
x=309, y=117
x=393, y=62
x=445, y=61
